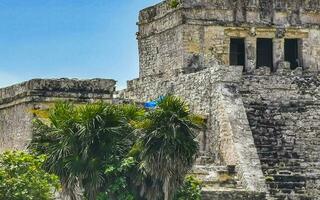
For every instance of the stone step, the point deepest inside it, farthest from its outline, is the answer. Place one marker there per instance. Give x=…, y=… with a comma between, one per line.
x=275, y=170
x=283, y=160
x=287, y=185
x=231, y=194
x=288, y=178
x=203, y=159
x=208, y=168
x=215, y=177
x=281, y=196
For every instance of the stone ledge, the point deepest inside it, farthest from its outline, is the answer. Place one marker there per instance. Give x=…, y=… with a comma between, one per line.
x=232, y=195
x=37, y=90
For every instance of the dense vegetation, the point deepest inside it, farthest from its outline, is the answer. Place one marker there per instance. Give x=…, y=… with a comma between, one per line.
x=120, y=152
x=22, y=177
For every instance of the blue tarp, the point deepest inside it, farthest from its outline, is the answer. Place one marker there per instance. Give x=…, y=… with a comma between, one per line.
x=150, y=104
x=153, y=104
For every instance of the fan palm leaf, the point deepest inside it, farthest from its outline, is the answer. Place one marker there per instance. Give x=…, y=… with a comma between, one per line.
x=79, y=141
x=169, y=145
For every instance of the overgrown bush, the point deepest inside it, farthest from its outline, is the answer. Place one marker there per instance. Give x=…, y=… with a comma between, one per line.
x=118, y=184
x=190, y=190
x=22, y=177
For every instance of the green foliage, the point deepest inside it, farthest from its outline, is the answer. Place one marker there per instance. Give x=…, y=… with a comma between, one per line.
x=118, y=184
x=168, y=145
x=80, y=141
x=22, y=177
x=269, y=178
x=118, y=152
x=190, y=190
x=174, y=3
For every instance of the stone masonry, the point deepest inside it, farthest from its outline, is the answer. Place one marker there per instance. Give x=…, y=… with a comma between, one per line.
x=284, y=115
x=251, y=68
x=18, y=102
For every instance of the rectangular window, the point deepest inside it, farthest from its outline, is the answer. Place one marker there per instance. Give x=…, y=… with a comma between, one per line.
x=291, y=52
x=264, y=53
x=237, y=51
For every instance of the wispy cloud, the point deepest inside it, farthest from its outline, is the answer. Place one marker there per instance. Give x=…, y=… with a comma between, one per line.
x=7, y=79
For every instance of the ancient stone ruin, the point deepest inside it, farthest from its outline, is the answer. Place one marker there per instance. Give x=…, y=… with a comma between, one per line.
x=251, y=67
x=19, y=104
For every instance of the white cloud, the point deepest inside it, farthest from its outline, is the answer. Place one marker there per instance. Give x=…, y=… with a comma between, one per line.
x=7, y=79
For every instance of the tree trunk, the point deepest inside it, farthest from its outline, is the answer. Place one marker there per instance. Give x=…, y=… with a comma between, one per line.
x=166, y=189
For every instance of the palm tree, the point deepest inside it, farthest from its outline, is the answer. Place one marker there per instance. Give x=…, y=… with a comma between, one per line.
x=80, y=141
x=57, y=139
x=168, y=145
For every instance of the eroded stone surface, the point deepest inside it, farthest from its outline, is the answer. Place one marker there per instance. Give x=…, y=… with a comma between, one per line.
x=284, y=115
x=18, y=102
x=213, y=92
x=265, y=121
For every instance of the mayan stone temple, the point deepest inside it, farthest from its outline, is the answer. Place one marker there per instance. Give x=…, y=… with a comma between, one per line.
x=250, y=67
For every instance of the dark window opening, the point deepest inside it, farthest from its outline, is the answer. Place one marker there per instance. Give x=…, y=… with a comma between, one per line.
x=264, y=53
x=237, y=51
x=291, y=52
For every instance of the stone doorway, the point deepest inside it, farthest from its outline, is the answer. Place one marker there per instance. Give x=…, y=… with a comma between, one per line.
x=264, y=53
x=237, y=51
x=291, y=52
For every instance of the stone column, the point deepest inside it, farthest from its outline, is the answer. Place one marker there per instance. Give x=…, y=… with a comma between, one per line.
x=250, y=46
x=278, y=52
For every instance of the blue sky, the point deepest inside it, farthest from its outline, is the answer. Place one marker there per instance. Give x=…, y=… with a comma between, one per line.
x=69, y=38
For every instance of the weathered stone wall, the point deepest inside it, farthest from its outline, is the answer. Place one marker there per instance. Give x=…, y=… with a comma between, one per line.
x=18, y=101
x=185, y=51
x=152, y=87
x=263, y=12
x=214, y=93
x=284, y=114
x=200, y=31
x=311, y=50
x=15, y=126
x=157, y=52
x=281, y=110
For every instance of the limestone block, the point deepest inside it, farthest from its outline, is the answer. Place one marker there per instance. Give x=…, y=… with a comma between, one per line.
x=283, y=68
x=262, y=71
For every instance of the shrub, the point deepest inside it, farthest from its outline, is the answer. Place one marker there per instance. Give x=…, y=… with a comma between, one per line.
x=22, y=177
x=190, y=190
x=117, y=178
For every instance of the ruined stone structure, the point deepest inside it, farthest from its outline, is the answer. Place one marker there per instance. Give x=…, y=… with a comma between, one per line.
x=250, y=67
x=18, y=104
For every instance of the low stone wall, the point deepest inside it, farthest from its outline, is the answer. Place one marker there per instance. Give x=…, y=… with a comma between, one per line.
x=18, y=101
